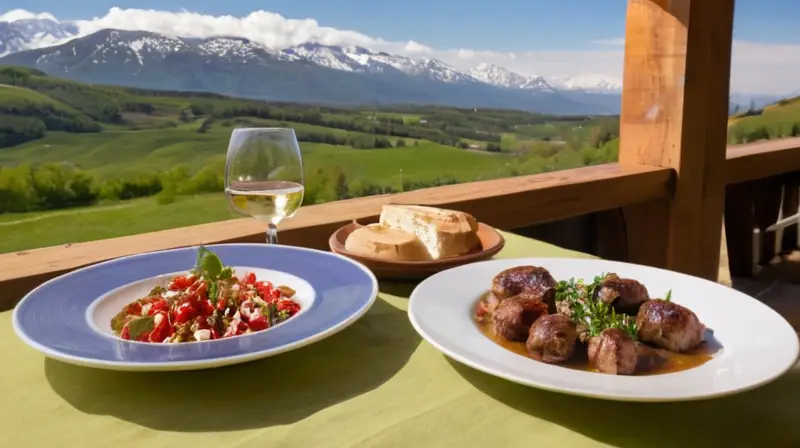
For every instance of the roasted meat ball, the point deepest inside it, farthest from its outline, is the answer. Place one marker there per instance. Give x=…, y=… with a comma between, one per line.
x=669, y=325
x=552, y=338
x=513, y=317
x=613, y=351
x=624, y=294
x=648, y=358
x=532, y=281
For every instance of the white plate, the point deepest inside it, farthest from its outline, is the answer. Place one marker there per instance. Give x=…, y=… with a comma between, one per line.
x=758, y=345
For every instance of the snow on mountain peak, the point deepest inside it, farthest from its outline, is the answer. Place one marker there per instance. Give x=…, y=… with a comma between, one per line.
x=500, y=76
x=231, y=47
x=595, y=83
x=20, y=30
x=361, y=60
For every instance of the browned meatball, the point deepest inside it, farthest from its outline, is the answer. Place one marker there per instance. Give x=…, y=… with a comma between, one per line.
x=552, y=338
x=513, y=317
x=613, y=351
x=532, y=280
x=648, y=358
x=669, y=325
x=624, y=294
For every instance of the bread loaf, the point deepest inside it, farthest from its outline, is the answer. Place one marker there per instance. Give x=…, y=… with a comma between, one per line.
x=444, y=233
x=384, y=242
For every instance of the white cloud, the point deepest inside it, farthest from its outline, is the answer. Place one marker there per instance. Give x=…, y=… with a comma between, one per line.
x=757, y=68
x=21, y=14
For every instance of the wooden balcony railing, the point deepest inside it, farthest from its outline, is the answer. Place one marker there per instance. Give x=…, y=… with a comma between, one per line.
x=669, y=186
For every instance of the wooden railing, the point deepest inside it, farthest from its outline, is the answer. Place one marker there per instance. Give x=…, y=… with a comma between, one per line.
x=666, y=195
x=504, y=203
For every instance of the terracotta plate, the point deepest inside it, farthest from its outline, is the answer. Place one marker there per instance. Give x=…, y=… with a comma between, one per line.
x=491, y=243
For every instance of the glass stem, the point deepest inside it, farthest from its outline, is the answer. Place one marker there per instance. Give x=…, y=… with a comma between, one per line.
x=272, y=234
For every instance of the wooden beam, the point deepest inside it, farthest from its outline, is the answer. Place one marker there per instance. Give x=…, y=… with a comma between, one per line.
x=762, y=159
x=503, y=203
x=674, y=114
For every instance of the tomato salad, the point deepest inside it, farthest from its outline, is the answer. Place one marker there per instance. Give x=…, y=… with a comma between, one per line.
x=206, y=304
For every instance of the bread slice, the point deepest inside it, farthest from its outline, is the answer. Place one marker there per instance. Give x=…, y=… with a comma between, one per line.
x=445, y=233
x=384, y=242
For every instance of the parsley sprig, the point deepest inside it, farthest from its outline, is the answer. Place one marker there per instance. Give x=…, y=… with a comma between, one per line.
x=587, y=309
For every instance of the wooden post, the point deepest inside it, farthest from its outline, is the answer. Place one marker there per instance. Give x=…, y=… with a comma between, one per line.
x=674, y=114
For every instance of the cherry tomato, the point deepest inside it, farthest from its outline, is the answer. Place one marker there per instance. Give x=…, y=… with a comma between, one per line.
x=161, y=331
x=185, y=312
x=202, y=290
x=206, y=308
x=250, y=278
x=258, y=322
x=158, y=305
x=222, y=303
x=125, y=333
x=288, y=305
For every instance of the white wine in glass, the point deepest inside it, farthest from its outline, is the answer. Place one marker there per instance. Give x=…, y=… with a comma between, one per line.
x=264, y=175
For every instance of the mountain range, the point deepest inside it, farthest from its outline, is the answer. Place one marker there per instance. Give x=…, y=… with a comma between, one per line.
x=310, y=73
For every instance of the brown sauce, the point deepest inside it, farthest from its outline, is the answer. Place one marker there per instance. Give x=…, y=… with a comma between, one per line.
x=666, y=362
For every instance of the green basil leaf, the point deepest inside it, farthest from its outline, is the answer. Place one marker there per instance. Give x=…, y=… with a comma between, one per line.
x=208, y=263
x=140, y=326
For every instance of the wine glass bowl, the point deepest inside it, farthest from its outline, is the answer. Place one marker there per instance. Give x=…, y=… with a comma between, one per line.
x=264, y=175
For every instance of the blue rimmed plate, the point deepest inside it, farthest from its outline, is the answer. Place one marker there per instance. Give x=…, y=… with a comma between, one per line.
x=68, y=318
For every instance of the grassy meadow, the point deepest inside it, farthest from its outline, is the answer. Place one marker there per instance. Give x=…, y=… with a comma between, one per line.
x=81, y=162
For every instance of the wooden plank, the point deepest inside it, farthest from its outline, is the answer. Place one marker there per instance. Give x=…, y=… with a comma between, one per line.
x=503, y=203
x=739, y=225
x=762, y=159
x=674, y=114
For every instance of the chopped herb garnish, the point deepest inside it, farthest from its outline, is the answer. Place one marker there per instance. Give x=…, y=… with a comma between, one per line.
x=586, y=309
x=669, y=296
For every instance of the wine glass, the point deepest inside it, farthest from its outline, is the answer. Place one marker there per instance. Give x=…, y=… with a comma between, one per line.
x=264, y=175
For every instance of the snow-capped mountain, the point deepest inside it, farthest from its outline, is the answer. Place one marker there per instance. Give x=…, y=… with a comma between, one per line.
x=26, y=34
x=305, y=73
x=588, y=83
x=33, y=33
x=360, y=60
x=499, y=76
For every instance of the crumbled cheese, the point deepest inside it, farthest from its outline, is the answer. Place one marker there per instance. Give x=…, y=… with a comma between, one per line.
x=158, y=318
x=170, y=293
x=146, y=309
x=202, y=335
x=235, y=287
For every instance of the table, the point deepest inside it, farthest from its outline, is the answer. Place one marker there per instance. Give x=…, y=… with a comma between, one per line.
x=375, y=384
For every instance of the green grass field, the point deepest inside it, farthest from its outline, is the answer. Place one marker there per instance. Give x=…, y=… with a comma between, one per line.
x=114, y=154
x=29, y=230
x=10, y=94
x=113, y=134
x=778, y=120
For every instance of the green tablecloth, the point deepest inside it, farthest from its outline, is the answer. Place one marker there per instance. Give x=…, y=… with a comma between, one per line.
x=375, y=384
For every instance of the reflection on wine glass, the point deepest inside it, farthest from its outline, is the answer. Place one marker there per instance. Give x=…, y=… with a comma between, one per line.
x=264, y=175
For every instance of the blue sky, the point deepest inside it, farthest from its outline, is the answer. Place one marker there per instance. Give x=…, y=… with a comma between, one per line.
x=518, y=25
